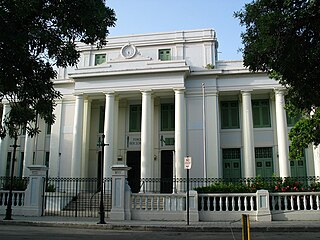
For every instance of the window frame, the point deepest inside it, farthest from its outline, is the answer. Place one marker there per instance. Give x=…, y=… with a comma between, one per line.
x=260, y=108
x=230, y=111
x=170, y=120
x=162, y=56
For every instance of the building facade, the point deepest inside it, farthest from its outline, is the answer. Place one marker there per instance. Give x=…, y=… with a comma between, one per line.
x=158, y=98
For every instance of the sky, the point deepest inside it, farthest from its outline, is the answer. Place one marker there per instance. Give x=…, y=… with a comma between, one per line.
x=149, y=16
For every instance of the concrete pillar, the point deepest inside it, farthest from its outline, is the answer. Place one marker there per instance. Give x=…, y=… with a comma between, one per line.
x=282, y=134
x=76, y=159
x=4, y=144
x=109, y=134
x=120, y=194
x=247, y=136
x=146, y=134
x=34, y=193
x=180, y=133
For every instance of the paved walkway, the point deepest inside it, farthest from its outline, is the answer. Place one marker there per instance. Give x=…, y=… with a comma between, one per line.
x=134, y=225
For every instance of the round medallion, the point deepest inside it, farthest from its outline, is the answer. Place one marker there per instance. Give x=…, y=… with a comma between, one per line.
x=128, y=51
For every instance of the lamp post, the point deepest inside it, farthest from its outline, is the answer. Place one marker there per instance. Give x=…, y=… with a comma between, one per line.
x=9, y=206
x=101, y=145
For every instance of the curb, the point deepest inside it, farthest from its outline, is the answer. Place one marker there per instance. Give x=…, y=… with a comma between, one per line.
x=125, y=227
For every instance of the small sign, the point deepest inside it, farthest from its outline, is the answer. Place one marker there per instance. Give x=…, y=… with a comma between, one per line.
x=187, y=162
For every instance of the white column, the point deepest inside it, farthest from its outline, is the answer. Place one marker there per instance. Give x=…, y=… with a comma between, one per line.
x=146, y=134
x=180, y=132
x=109, y=132
x=247, y=135
x=28, y=154
x=316, y=160
x=212, y=134
x=76, y=159
x=282, y=134
x=86, y=137
x=55, y=139
x=4, y=144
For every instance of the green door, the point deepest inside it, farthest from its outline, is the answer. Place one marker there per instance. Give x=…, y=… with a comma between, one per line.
x=264, y=162
x=231, y=164
x=298, y=167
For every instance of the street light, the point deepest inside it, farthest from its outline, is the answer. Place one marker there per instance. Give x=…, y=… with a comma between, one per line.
x=101, y=145
x=9, y=205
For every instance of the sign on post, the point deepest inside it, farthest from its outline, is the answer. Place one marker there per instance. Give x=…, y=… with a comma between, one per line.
x=187, y=162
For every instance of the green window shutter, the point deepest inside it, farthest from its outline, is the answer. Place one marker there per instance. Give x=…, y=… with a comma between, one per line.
x=135, y=118
x=167, y=117
x=99, y=59
x=230, y=115
x=164, y=54
x=261, y=113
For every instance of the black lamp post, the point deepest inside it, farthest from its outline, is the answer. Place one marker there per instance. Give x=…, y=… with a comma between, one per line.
x=9, y=206
x=102, y=145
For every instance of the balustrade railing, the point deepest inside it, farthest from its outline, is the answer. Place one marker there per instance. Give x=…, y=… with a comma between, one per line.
x=227, y=202
x=17, y=198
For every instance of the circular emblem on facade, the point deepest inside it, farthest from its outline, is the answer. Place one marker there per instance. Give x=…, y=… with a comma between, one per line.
x=128, y=51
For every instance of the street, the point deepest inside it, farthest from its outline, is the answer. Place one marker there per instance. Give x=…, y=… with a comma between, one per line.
x=14, y=232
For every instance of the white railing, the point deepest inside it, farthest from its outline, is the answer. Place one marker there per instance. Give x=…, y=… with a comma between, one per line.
x=18, y=198
x=226, y=206
x=155, y=206
x=295, y=206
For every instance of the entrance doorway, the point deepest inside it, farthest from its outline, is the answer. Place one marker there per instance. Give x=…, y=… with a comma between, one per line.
x=134, y=161
x=166, y=171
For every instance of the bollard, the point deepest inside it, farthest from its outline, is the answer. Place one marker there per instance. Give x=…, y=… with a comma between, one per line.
x=245, y=227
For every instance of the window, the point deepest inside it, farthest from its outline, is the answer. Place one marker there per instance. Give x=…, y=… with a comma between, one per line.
x=230, y=115
x=167, y=117
x=164, y=54
x=99, y=59
x=135, y=118
x=291, y=121
x=261, y=113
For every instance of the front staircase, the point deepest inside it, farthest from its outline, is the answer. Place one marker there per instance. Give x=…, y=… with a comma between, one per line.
x=88, y=204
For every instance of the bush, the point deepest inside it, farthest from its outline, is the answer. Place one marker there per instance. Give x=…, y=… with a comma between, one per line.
x=274, y=184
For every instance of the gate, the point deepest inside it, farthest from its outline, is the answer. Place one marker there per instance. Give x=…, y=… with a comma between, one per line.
x=75, y=197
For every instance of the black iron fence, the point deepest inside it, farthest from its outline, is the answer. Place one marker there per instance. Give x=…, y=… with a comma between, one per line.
x=75, y=197
x=19, y=183
x=273, y=184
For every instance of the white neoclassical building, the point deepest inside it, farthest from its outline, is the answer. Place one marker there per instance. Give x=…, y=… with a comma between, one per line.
x=158, y=98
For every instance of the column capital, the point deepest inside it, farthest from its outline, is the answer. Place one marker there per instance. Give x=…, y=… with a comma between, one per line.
x=109, y=93
x=146, y=91
x=246, y=92
x=179, y=90
x=279, y=90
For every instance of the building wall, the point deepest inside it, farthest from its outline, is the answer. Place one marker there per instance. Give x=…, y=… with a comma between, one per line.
x=125, y=78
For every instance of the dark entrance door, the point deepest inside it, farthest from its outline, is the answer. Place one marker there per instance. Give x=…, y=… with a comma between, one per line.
x=134, y=161
x=166, y=171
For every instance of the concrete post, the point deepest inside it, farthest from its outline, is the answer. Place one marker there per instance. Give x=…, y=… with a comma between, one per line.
x=193, y=206
x=263, y=209
x=34, y=193
x=120, y=194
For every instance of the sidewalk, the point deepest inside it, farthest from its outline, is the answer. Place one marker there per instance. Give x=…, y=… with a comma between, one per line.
x=134, y=225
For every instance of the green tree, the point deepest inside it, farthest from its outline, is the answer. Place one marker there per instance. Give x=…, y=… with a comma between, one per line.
x=282, y=38
x=37, y=35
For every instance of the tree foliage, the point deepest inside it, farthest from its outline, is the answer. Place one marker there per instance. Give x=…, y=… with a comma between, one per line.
x=282, y=38
x=35, y=36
